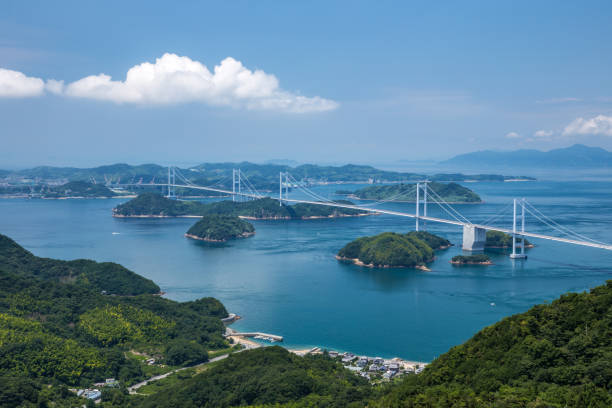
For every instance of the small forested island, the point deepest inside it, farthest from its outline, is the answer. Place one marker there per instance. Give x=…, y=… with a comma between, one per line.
x=391, y=250
x=220, y=228
x=476, y=259
x=449, y=192
x=498, y=239
x=155, y=205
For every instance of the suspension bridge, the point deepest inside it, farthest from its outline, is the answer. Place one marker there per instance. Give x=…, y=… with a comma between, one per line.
x=474, y=234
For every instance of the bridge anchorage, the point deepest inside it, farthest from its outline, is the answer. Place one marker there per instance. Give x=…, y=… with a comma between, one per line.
x=474, y=234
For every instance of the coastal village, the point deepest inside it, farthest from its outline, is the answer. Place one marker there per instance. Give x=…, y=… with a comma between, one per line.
x=375, y=369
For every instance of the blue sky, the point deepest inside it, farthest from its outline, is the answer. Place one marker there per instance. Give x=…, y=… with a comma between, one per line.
x=363, y=82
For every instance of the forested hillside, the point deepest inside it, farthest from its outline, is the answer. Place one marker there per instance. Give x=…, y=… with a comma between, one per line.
x=58, y=332
x=449, y=192
x=556, y=355
x=58, y=326
x=220, y=228
x=155, y=205
x=393, y=250
x=266, y=377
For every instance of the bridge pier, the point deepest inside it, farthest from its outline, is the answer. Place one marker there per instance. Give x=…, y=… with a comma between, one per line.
x=474, y=238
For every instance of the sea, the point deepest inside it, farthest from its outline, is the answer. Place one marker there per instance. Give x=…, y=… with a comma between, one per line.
x=286, y=281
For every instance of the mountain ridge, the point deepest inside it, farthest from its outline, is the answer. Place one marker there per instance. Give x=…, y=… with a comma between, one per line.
x=575, y=156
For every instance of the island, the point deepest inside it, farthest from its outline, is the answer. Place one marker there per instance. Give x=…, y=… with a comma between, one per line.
x=501, y=240
x=153, y=205
x=220, y=228
x=71, y=189
x=449, y=192
x=477, y=259
x=392, y=250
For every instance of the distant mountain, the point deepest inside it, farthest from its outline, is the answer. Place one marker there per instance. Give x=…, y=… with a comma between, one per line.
x=577, y=156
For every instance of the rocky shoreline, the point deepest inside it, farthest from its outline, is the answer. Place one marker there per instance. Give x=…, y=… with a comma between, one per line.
x=471, y=263
x=243, y=235
x=358, y=262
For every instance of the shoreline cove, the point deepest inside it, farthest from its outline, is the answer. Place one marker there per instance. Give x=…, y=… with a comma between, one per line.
x=251, y=344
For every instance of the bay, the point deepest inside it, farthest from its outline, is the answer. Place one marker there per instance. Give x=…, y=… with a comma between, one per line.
x=285, y=280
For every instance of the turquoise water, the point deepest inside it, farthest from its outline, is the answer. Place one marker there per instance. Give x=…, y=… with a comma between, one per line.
x=286, y=281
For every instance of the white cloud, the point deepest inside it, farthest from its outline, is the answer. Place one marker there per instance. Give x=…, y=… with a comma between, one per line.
x=54, y=86
x=14, y=84
x=544, y=134
x=174, y=79
x=599, y=125
x=512, y=135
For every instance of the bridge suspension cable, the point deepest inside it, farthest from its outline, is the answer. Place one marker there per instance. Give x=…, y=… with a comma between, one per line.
x=441, y=200
x=306, y=190
x=556, y=226
x=390, y=199
x=498, y=214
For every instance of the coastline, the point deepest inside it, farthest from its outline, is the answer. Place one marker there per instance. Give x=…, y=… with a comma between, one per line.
x=303, y=351
x=358, y=262
x=471, y=263
x=243, y=235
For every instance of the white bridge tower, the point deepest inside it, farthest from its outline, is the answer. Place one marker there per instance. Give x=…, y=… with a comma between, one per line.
x=514, y=254
x=171, y=182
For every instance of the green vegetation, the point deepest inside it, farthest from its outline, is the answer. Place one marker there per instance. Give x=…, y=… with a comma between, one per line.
x=497, y=239
x=58, y=327
x=72, y=189
x=451, y=192
x=261, y=175
x=556, y=355
x=42, y=181
x=393, y=250
x=60, y=333
x=264, y=377
x=78, y=189
x=154, y=205
x=471, y=259
x=106, y=276
x=220, y=228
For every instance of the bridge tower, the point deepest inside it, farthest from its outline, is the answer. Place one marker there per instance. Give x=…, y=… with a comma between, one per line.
x=280, y=188
x=283, y=182
x=420, y=186
x=236, y=182
x=171, y=182
x=514, y=254
x=425, y=204
x=418, y=204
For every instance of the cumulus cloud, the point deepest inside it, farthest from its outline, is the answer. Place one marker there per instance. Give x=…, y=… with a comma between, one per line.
x=15, y=84
x=598, y=125
x=54, y=86
x=543, y=134
x=512, y=135
x=174, y=79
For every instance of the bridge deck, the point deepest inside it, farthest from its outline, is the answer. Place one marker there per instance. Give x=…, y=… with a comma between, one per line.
x=400, y=214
